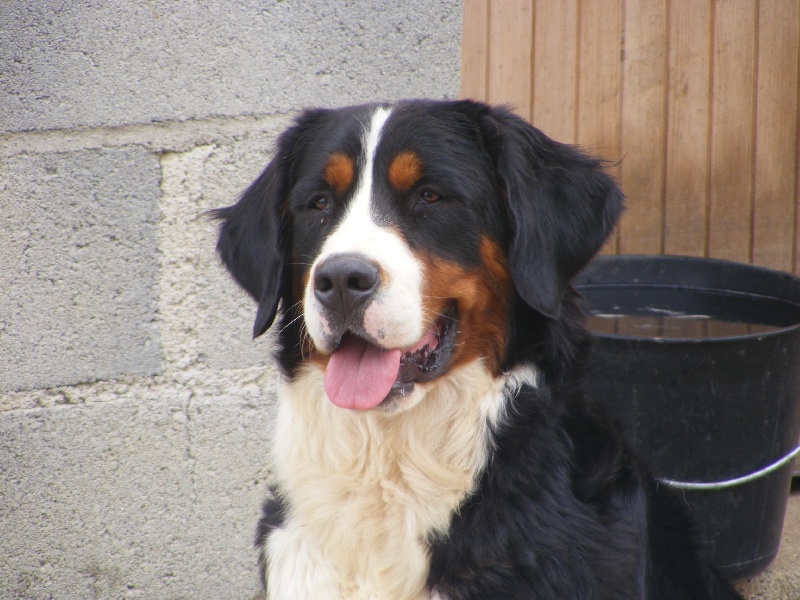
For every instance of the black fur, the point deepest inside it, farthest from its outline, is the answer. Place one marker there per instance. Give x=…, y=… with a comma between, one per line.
x=562, y=510
x=273, y=513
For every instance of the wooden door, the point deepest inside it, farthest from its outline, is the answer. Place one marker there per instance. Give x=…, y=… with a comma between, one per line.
x=694, y=102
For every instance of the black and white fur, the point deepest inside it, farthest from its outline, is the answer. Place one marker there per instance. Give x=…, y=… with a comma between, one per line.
x=484, y=474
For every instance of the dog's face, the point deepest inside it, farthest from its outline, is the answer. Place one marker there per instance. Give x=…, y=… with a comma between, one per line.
x=401, y=238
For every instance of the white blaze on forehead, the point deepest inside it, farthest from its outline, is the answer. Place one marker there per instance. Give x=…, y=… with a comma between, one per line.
x=394, y=318
x=359, y=213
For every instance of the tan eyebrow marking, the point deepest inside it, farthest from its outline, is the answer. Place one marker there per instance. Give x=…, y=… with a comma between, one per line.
x=339, y=172
x=404, y=171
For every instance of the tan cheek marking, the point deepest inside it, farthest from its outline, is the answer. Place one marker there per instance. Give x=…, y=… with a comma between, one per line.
x=483, y=296
x=404, y=171
x=339, y=172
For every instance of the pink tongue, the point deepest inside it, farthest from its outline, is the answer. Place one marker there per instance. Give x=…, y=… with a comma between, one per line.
x=360, y=375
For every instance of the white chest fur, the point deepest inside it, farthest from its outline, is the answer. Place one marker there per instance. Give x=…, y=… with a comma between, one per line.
x=365, y=489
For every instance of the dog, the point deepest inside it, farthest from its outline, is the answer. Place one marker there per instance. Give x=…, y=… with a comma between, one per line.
x=432, y=439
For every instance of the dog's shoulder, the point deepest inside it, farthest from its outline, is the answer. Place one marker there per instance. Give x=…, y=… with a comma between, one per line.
x=567, y=509
x=545, y=513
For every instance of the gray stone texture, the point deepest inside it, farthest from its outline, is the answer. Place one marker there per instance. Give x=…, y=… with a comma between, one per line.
x=135, y=409
x=79, y=63
x=140, y=484
x=149, y=497
x=78, y=251
x=208, y=320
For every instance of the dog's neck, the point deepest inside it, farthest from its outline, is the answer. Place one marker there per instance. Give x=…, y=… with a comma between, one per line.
x=399, y=476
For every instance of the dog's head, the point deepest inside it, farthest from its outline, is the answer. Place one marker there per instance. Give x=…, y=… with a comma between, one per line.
x=398, y=240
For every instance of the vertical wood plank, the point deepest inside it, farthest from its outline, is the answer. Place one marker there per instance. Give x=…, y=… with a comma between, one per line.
x=643, y=125
x=686, y=178
x=599, y=48
x=732, y=124
x=797, y=186
x=555, y=68
x=702, y=110
x=597, y=118
x=776, y=135
x=474, y=48
x=510, y=53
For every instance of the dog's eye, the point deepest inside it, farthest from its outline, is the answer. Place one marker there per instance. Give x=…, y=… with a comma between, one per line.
x=429, y=196
x=320, y=202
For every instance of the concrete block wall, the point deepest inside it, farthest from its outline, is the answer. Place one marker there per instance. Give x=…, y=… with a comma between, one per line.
x=135, y=410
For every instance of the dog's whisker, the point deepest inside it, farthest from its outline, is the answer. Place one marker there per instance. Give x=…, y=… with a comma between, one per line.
x=304, y=337
x=289, y=324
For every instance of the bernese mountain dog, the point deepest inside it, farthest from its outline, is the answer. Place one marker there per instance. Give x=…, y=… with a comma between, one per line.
x=432, y=438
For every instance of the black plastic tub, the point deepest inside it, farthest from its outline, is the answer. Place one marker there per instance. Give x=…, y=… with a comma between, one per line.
x=699, y=360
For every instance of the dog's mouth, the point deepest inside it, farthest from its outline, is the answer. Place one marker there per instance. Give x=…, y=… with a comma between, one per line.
x=361, y=375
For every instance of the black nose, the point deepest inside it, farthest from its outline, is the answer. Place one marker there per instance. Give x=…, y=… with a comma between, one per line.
x=344, y=282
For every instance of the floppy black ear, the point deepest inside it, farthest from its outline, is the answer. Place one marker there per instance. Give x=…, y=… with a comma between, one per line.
x=254, y=237
x=561, y=205
x=252, y=242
